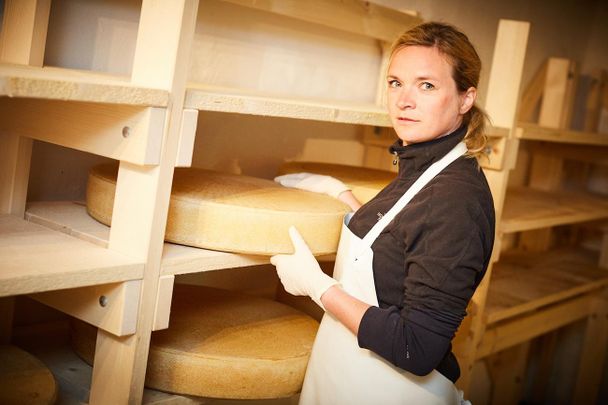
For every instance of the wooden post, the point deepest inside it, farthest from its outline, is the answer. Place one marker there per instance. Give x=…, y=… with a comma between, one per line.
x=166, y=29
x=594, y=347
x=22, y=41
x=507, y=369
x=501, y=106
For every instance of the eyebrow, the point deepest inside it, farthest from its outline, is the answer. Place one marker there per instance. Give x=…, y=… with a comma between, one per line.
x=419, y=78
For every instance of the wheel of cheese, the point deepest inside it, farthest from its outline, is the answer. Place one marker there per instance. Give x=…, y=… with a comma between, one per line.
x=223, y=344
x=24, y=379
x=365, y=183
x=231, y=212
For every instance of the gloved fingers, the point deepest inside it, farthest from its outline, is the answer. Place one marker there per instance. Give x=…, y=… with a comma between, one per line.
x=291, y=180
x=276, y=260
x=299, y=244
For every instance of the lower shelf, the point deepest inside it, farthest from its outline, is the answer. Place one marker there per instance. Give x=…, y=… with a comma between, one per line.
x=35, y=259
x=523, y=281
x=72, y=218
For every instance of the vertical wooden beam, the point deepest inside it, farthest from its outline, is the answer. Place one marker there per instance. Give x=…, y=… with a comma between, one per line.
x=22, y=41
x=558, y=93
x=593, y=353
x=547, y=345
x=507, y=370
x=164, y=39
x=501, y=106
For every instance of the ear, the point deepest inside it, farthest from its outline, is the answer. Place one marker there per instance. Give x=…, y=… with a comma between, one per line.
x=467, y=99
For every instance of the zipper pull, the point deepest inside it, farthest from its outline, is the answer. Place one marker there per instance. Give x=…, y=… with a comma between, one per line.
x=395, y=159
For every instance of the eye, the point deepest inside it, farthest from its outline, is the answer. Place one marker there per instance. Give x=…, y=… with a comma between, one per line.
x=394, y=83
x=426, y=86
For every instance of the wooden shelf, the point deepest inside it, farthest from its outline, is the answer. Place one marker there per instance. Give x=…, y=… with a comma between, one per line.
x=538, y=133
x=526, y=209
x=72, y=218
x=523, y=281
x=75, y=85
x=36, y=259
x=200, y=97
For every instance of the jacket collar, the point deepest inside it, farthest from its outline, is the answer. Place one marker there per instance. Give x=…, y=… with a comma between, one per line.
x=417, y=157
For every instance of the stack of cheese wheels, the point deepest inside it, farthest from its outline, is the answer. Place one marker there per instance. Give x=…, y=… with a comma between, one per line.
x=232, y=213
x=222, y=344
x=24, y=379
x=365, y=183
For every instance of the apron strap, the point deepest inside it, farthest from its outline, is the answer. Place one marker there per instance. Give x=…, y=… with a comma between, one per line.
x=422, y=181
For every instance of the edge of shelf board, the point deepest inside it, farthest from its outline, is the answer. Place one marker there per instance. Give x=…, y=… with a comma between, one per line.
x=76, y=85
x=536, y=132
x=208, y=98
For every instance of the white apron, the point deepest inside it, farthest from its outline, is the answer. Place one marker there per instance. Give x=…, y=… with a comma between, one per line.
x=339, y=371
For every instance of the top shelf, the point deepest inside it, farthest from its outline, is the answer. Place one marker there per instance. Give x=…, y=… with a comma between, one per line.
x=538, y=133
x=208, y=98
x=75, y=85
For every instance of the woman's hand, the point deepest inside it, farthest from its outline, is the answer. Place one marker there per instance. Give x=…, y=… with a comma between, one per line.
x=300, y=272
x=317, y=183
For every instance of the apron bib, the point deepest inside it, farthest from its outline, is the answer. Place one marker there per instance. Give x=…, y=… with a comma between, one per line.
x=339, y=371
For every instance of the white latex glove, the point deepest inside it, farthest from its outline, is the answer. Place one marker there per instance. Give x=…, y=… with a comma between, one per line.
x=300, y=272
x=317, y=183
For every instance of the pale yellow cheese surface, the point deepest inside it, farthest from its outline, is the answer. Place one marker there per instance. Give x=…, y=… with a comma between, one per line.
x=232, y=213
x=365, y=183
x=24, y=379
x=223, y=344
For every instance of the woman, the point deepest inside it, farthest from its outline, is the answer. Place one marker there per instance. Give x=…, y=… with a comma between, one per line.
x=410, y=259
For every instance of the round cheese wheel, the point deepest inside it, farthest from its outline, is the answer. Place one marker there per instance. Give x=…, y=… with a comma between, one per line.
x=223, y=344
x=365, y=183
x=231, y=212
x=24, y=379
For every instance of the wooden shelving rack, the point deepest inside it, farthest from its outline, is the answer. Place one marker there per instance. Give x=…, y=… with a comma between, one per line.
x=147, y=121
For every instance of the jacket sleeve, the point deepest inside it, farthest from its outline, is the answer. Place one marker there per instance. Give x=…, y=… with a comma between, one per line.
x=445, y=258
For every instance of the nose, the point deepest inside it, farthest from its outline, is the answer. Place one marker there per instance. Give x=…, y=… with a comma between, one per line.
x=405, y=99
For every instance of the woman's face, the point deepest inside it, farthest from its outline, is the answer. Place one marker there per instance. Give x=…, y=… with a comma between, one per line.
x=423, y=101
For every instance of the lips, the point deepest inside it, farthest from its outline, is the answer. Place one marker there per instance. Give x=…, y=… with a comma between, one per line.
x=405, y=119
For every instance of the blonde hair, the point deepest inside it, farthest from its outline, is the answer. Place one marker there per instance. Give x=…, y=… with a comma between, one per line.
x=466, y=67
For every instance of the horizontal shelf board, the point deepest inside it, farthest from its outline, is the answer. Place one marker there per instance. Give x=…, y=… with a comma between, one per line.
x=523, y=281
x=206, y=98
x=72, y=218
x=76, y=85
x=35, y=259
x=538, y=133
x=526, y=209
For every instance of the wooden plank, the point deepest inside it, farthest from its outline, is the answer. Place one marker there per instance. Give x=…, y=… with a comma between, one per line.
x=74, y=85
x=547, y=345
x=187, y=135
x=539, y=133
x=7, y=307
x=521, y=329
x=593, y=105
x=507, y=369
x=527, y=209
x=554, y=109
x=60, y=261
x=358, y=17
x=164, y=40
x=112, y=307
x=505, y=76
x=582, y=153
x=15, y=157
x=162, y=309
x=201, y=97
x=523, y=281
x=591, y=365
x=532, y=95
x=132, y=134
x=24, y=28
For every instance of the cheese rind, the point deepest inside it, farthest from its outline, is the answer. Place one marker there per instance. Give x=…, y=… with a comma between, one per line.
x=232, y=213
x=223, y=344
